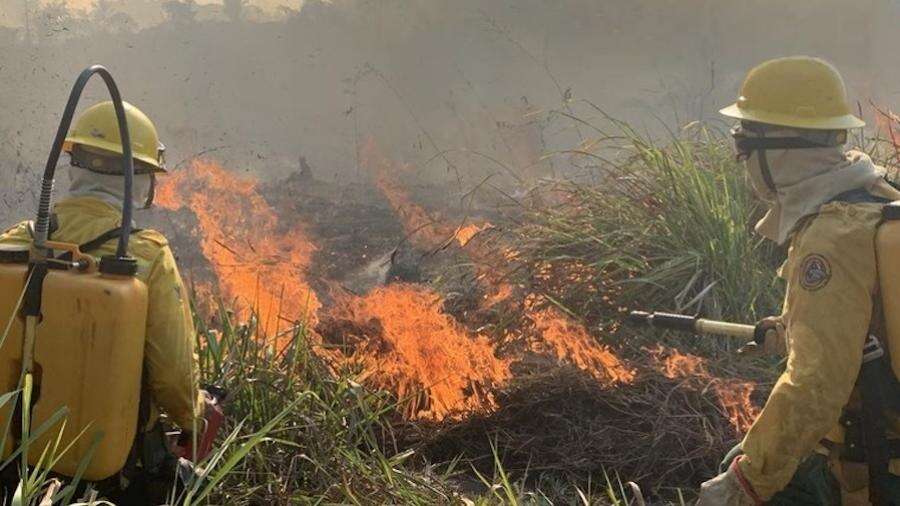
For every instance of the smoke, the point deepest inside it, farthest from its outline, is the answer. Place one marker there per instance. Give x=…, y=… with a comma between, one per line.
x=462, y=89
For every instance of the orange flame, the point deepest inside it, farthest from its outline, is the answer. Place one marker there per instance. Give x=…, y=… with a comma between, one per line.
x=565, y=339
x=424, y=230
x=570, y=342
x=734, y=396
x=257, y=264
x=679, y=365
x=465, y=234
x=422, y=354
x=407, y=344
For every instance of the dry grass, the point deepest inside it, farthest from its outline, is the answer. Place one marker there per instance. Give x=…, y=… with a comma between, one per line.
x=661, y=432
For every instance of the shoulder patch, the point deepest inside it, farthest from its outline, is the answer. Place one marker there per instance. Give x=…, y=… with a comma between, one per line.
x=815, y=272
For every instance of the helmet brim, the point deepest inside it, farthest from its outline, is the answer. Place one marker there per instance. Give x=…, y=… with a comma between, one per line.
x=845, y=122
x=111, y=147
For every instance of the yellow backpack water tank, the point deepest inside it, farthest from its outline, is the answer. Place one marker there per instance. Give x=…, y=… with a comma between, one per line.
x=887, y=248
x=89, y=352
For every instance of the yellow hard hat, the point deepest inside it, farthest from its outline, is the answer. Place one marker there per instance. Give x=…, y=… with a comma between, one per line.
x=96, y=132
x=799, y=92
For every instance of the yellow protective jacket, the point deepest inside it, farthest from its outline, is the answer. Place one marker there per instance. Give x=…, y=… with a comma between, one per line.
x=832, y=293
x=170, y=363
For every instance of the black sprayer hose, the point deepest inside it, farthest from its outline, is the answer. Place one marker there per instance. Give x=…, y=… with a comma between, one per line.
x=42, y=224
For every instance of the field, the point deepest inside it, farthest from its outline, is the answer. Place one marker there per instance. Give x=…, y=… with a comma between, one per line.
x=413, y=231
x=381, y=351
x=484, y=359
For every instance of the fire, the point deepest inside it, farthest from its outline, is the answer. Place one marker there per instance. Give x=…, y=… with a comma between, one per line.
x=426, y=230
x=570, y=342
x=422, y=354
x=678, y=365
x=260, y=264
x=465, y=234
x=411, y=348
x=734, y=395
x=558, y=335
x=397, y=337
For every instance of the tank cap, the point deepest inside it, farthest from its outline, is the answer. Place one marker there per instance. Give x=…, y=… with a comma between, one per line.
x=891, y=212
x=118, y=266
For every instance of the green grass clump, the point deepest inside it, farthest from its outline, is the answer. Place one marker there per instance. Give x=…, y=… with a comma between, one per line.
x=667, y=227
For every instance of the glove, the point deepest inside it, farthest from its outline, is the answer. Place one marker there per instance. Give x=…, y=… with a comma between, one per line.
x=728, y=489
x=774, y=340
x=213, y=418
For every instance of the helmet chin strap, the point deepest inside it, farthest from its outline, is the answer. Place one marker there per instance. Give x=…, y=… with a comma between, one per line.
x=764, y=162
x=151, y=193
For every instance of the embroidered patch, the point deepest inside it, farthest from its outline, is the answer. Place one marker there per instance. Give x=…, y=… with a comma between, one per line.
x=815, y=271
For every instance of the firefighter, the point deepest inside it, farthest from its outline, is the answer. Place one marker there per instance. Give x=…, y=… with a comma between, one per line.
x=90, y=215
x=825, y=204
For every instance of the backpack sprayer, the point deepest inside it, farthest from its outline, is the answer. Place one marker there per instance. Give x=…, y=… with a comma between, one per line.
x=75, y=330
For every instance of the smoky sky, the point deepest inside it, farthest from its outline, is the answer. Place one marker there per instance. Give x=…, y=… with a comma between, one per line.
x=460, y=89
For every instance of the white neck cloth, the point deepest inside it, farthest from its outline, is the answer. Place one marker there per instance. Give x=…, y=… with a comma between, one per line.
x=805, y=179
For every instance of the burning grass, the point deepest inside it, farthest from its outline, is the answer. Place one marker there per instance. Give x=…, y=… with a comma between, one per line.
x=421, y=354
x=344, y=443
x=517, y=365
x=734, y=395
x=331, y=447
x=260, y=264
x=558, y=336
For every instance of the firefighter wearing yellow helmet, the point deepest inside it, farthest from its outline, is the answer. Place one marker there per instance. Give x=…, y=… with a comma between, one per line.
x=88, y=216
x=818, y=440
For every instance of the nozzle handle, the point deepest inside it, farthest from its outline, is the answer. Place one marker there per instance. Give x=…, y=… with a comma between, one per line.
x=740, y=330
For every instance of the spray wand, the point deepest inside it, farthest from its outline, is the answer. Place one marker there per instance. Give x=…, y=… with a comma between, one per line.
x=685, y=323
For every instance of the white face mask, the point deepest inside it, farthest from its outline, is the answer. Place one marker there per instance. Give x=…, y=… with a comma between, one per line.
x=787, y=167
x=110, y=188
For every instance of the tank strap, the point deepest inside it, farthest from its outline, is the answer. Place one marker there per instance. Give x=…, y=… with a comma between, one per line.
x=859, y=196
x=109, y=235
x=98, y=242
x=851, y=449
x=95, y=243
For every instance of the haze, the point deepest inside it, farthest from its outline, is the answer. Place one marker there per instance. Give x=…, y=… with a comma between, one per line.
x=434, y=80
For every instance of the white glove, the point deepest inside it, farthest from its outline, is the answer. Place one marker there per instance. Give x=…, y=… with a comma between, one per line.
x=728, y=489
